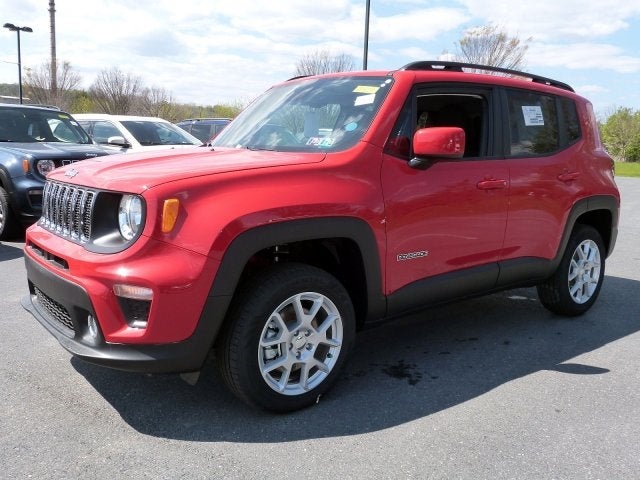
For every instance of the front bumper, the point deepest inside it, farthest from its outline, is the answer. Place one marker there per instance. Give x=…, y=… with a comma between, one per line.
x=26, y=199
x=64, y=308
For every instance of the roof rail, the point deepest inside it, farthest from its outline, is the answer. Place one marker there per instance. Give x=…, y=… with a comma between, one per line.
x=459, y=66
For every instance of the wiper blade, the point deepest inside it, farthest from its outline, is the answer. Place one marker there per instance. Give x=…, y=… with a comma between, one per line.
x=261, y=149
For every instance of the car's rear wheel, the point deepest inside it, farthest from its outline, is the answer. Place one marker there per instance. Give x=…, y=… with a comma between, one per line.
x=287, y=337
x=8, y=223
x=574, y=287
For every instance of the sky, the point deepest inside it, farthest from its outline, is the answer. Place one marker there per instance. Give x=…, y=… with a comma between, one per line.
x=209, y=52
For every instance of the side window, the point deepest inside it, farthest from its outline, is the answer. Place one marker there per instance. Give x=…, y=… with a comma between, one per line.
x=202, y=131
x=466, y=110
x=103, y=130
x=569, y=121
x=533, y=122
x=399, y=142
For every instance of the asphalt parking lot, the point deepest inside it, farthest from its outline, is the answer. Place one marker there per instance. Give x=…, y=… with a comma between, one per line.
x=491, y=388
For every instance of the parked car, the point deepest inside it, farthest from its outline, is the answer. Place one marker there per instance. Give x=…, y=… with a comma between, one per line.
x=330, y=201
x=129, y=133
x=33, y=141
x=205, y=129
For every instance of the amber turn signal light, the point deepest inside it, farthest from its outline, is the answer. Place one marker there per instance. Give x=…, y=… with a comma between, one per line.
x=170, y=214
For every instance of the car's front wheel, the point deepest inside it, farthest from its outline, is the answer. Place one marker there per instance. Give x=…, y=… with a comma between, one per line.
x=287, y=337
x=574, y=287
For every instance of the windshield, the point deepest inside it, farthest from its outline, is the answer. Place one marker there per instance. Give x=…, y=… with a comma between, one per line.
x=313, y=114
x=149, y=132
x=26, y=125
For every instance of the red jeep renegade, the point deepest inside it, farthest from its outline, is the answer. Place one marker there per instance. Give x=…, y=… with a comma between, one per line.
x=330, y=201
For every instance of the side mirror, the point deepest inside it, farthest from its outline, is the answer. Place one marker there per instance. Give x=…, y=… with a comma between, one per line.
x=119, y=141
x=437, y=142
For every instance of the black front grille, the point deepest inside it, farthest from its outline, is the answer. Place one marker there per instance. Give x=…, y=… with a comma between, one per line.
x=54, y=309
x=67, y=210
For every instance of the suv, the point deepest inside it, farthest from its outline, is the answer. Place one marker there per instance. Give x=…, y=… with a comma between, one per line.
x=33, y=141
x=330, y=201
x=205, y=129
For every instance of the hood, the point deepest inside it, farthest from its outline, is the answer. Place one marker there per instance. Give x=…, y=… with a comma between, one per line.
x=75, y=151
x=136, y=172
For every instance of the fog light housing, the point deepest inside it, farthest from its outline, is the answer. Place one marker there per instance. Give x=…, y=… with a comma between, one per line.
x=92, y=325
x=135, y=304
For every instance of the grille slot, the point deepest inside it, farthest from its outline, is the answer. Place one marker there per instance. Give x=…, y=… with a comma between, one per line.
x=54, y=309
x=68, y=211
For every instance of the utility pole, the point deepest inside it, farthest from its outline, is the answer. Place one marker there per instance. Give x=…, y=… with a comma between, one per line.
x=54, y=60
x=366, y=36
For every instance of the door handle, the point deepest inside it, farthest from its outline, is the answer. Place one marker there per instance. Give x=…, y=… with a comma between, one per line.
x=491, y=184
x=568, y=176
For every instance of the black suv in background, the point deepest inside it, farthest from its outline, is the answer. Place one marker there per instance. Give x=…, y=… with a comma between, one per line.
x=204, y=129
x=33, y=141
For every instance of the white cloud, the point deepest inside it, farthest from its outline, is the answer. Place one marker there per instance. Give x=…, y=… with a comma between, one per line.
x=210, y=52
x=583, y=56
x=553, y=19
x=420, y=25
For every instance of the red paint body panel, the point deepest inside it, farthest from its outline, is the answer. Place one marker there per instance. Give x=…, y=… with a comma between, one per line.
x=442, y=211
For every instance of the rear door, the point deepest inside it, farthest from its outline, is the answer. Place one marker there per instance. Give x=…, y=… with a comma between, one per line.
x=542, y=147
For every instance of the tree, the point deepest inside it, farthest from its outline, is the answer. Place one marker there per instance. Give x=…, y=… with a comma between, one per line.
x=490, y=45
x=621, y=134
x=322, y=61
x=114, y=91
x=156, y=102
x=39, y=84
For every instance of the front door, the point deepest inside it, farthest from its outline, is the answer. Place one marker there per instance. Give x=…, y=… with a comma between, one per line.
x=449, y=216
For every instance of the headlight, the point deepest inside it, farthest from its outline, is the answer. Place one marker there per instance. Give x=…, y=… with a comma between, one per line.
x=45, y=166
x=129, y=216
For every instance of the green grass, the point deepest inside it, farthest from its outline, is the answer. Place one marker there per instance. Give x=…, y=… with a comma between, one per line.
x=628, y=169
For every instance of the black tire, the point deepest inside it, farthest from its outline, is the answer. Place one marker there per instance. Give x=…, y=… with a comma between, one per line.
x=8, y=223
x=575, y=285
x=264, y=330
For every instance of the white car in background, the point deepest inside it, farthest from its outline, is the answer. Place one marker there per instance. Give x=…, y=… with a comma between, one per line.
x=129, y=133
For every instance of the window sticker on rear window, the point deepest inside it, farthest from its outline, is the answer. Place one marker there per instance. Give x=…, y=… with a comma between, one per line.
x=532, y=116
x=366, y=89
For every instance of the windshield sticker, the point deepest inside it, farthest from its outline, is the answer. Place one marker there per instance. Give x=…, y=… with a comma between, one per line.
x=532, y=116
x=351, y=126
x=366, y=89
x=365, y=100
x=60, y=115
x=321, y=141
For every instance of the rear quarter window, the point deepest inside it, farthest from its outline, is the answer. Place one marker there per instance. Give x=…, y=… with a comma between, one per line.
x=569, y=122
x=541, y=124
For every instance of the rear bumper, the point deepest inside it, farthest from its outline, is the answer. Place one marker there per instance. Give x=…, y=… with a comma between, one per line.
x=64, y=307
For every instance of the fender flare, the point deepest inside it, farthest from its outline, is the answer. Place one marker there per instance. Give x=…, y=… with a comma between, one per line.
x=586, y=205
x=258, y=238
